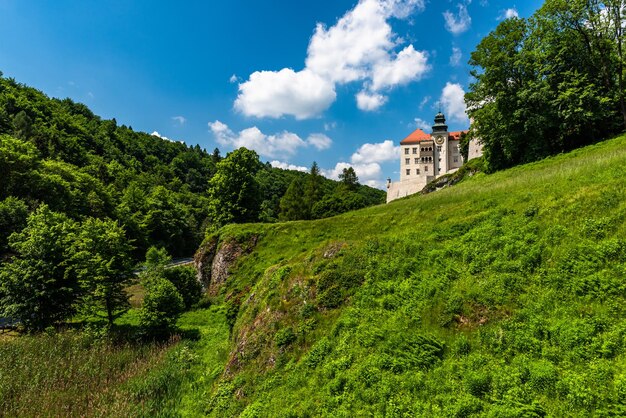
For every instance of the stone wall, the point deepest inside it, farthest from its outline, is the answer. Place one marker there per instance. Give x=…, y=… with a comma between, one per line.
x=475, y=149
x=405, y=188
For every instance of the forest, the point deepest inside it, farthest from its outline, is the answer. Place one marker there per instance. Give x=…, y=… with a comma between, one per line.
x=82, y=200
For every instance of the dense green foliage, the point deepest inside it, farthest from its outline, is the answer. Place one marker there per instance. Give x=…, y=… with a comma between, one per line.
x=164, y=193
x=100, y=195
x=501, y=296
x=100, y=260
x=162, y=305
x=549, y=83
x=34, y=286
x=186, y=282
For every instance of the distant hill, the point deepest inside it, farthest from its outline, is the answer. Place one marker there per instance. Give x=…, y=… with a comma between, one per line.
x=504, y=295
x=58, y=152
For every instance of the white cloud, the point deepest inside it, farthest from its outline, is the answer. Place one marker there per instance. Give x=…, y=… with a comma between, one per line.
x=158, y=135
x=367, y=173
x=287, y=166
x=233, y=79
x=319, y=141
x=360, y=47
x=422, y=124
x=329, y=126
x=455, y=58
x=424, y=102
x=366, y=163
x=370, y=101
x=283, y=144
x=453, y=102
x=408, y=66
x=508, y=14
x=279, y=145
x=179, y=119
x=459, y=23
x=376, y=153
x=302, y=94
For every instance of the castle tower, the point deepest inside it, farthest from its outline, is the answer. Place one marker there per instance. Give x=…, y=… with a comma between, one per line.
x=440, y=136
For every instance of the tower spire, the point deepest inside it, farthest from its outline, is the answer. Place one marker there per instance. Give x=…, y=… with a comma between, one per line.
x=440, y=123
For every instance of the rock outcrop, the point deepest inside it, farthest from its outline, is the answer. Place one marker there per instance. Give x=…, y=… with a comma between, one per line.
x=215, y=257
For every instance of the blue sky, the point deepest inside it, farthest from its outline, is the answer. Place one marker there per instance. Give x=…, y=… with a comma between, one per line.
x=338, y=82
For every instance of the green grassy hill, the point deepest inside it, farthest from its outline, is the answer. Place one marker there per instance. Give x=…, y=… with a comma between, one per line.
x=501, y=296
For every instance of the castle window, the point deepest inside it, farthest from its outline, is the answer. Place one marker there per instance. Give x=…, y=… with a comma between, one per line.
x=406, y=151
x=408, y=171
x=407, y=161
x=414, y=150
x=430, y=148
x=440, y=169
x=456, y=159
x=422, y=149
x=425, y=168
x=438, y=148
x=417, y=171
x=417, y=160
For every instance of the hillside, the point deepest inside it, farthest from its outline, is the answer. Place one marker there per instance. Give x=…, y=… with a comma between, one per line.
x=501, y=296
x=164, y=193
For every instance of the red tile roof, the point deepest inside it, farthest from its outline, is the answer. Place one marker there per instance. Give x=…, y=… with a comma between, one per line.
x=415, y=137
x=418, y=136
x=455, y=136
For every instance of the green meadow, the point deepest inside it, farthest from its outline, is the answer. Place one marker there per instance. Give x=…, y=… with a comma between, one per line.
x=502, y=296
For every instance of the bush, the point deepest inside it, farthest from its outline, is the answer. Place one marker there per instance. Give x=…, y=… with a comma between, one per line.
x=284, y=337
x=162, y=305
x=185, y=281
x=478, y=383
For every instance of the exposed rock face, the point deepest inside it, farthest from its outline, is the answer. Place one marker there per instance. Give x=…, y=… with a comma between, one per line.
x=214, y=259
x=203, y=260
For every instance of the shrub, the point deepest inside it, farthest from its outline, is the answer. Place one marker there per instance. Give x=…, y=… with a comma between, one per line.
x=330, y=298
x=162, y=305
x=284, y=337
x=185, y=281
x=478, y=383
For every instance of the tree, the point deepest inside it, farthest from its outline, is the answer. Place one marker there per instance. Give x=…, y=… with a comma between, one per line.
x=549, y=83
x=34, y=286
x=18, y=161
x=186, y=282
x=216, y=157
x=22, y=125
x=313, y=189
x=349, y=179
x=100, y=259
x=156, y=261
x=162, y=305
x=293, y=205
x=233, y=191
x=13, y=215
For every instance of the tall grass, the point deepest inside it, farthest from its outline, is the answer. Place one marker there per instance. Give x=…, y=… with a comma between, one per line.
x=73, y=374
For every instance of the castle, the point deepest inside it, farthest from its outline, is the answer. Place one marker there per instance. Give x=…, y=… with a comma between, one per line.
x=424, y=157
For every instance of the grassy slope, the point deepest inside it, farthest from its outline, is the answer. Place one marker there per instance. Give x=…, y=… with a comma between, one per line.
x=501, y=296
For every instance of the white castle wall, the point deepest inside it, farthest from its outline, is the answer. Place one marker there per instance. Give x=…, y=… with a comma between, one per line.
x=404, y=188
x=475, y=149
